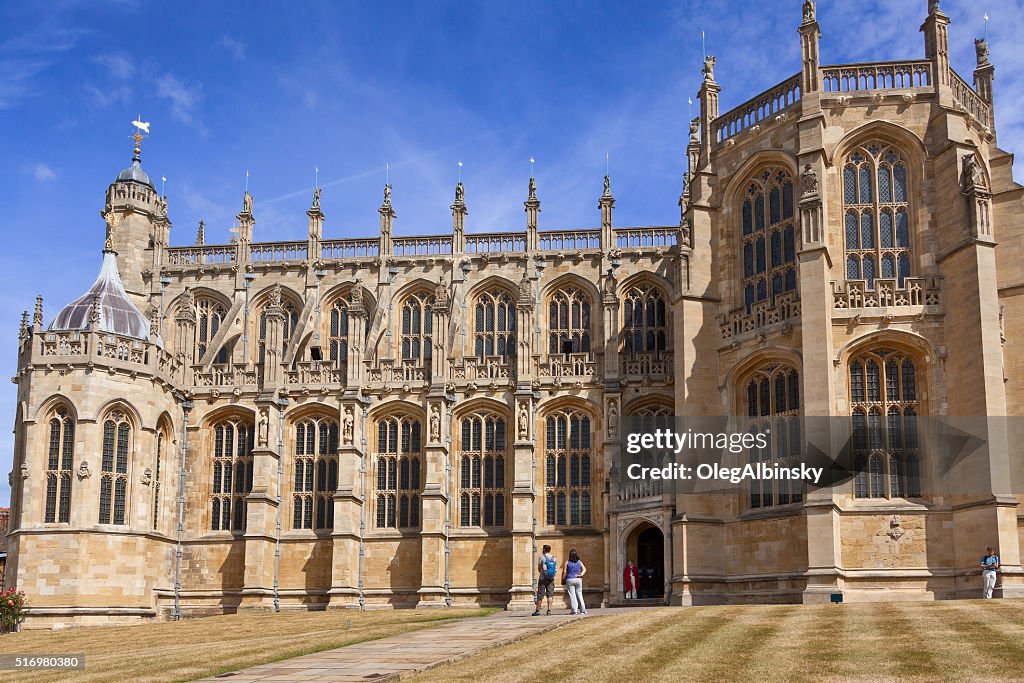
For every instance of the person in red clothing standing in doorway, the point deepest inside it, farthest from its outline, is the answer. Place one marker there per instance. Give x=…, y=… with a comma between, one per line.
x=630, y=579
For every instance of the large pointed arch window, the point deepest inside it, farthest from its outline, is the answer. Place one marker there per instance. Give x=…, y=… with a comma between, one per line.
x=60, y=454
x=494, y=324
x=398, y=463
x=568, y=460
x=417, y=326
x=876, y=215
x=569, y=321
x=482, y=471
x=769, y=238
x=884, y=406
x=773, y=408
x=210, y=315
x=316, y=473
x=232, y=474
x=114, y=468
x=644, y=320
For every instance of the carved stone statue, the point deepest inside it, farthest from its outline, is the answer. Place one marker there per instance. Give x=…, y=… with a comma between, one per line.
x=973, y=177
x=275, y=296
x=387, y=194
x=247, y=203
x=24, y=471
x=533, y=189
x=435, y=423
x=83, y=470
x=262, y=434
x=147, y=477
x=607, y=186
x=709, y=68
x=808, y=181
x=933, y=6
x=525, y=288
x=524, y=422
x=809, y=10
x=316, y=198
x=347, y=423
x=609, y=283
x=460, y=193
x=694, y=128
x=441, y=293
x=613, y=419
x=981, y=47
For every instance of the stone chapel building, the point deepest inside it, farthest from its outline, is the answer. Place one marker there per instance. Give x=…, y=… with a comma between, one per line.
x=404, y=421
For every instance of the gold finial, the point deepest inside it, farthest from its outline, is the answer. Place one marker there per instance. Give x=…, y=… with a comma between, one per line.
x=112, y=220
x=140, y=128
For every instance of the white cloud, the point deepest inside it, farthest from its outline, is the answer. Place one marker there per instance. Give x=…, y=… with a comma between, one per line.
x=235, y=47
x=119, y=66
x=16, y=80
x=183, y=97
x=43, y=173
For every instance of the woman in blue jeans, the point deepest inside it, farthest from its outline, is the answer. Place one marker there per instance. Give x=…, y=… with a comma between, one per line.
x=572, y=577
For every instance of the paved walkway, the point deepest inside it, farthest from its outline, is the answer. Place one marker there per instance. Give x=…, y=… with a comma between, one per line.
x=396, y=656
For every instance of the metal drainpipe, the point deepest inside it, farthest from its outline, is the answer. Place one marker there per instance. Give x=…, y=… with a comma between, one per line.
x=447, y=507
x=186, y=406
x=362, y=509
x=533, y=498
x=282, y=402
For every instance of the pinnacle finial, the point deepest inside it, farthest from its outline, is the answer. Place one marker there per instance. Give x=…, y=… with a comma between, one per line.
x=94, y=310
x=201, y=234
x=709, y=68
x=810, y=11
x=112, y=220
x=23, y=330
x=37, y=316
x=981, y=48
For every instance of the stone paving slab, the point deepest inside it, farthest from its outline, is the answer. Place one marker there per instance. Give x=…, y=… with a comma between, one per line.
x=394, y=657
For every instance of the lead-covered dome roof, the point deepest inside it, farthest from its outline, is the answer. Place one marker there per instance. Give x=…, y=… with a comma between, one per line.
x=117, y=313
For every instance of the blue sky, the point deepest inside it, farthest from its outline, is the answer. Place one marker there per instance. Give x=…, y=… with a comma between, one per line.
x=277, y=88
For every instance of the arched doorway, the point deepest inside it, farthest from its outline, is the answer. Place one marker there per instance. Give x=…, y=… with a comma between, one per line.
x=645, y=547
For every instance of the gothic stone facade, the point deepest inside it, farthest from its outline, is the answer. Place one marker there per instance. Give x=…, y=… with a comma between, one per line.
x=412, y=417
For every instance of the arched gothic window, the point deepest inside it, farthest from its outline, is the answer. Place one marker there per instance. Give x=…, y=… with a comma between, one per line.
x=398, y=463
x=163, y=438
x=232, y=474
x=210, y=315
x=482, y=471
x=114, y=468
x=569, y=321
x=288, y=325
x=876, y=215
x=644, y=320
x=58, y=466
x=495, y=328
x=417, y=326
x=769, y=238
x=567, y=468
x=773, y=406
x=884, y=406
x=316, y=473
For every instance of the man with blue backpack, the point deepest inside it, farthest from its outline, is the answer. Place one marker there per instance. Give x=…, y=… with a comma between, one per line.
x=547, y=566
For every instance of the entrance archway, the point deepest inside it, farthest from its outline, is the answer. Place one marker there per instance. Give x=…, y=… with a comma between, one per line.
x=645, y=546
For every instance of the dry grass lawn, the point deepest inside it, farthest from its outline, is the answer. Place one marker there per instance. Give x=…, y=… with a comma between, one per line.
x=194, y=648
x=971, y=640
